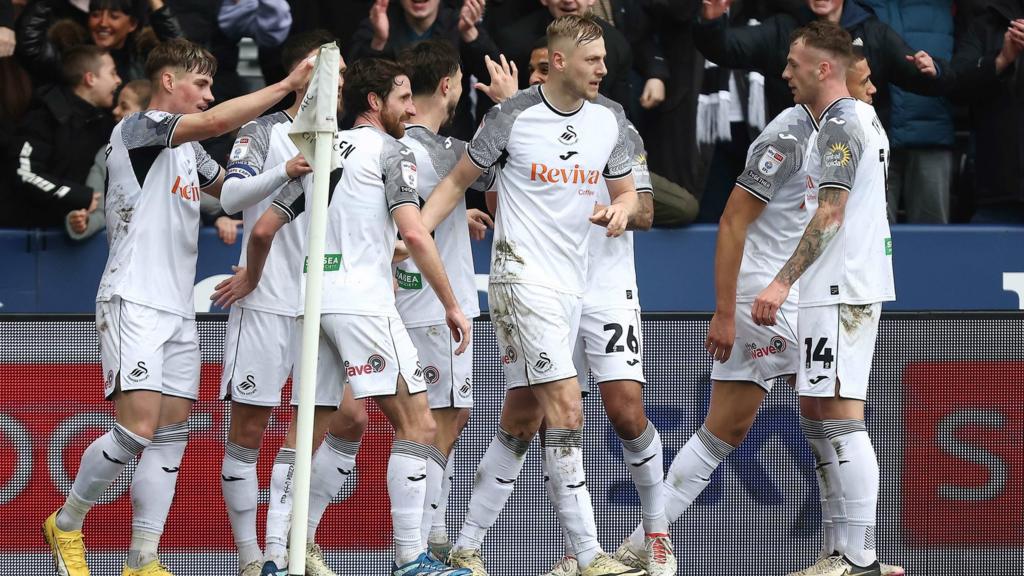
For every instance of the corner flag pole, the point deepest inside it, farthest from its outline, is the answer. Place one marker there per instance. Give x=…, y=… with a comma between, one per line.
x=313, y=131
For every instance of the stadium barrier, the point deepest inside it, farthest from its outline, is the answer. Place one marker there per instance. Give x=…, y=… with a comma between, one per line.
x=946, y=417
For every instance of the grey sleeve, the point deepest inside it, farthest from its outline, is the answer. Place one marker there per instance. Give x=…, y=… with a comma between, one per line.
x=772, y=160
x=620, y=162
x=489, y=142
x=150, y=128
x=250, y=150
x=398, y=172
x=481, y=184
x=206, y=167
x=291, y=200
x=841, y=144
x=641, y=174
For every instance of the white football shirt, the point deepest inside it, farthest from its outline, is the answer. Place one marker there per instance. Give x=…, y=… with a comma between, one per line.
x=376, y=174
x=436, y=156
x=611, y=275
x=775, y=173
x=261, y=145
x=551, y=165
x=152, y=212
x=851, y=152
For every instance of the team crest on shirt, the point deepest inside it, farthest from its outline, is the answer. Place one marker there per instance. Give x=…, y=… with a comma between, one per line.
x=240, y=149
x=838, y=155
x=409, y=173
x=770, y=161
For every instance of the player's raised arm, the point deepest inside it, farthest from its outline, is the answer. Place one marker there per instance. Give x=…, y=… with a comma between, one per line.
x=448, y=192
x=225, y=117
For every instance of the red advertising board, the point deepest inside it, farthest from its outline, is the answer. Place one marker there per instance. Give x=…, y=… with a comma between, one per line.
x=51, y=412
x=963, y=473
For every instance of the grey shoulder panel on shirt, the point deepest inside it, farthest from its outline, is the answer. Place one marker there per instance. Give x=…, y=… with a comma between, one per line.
x=489, y=142
x=777, y=154
x=841, y=141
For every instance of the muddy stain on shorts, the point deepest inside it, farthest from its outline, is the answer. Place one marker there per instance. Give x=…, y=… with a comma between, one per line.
x=852, y=316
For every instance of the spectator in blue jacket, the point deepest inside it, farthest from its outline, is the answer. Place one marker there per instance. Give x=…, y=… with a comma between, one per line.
x=920, y=127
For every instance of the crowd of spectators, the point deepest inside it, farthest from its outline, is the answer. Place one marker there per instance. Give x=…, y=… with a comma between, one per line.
x=698, y=78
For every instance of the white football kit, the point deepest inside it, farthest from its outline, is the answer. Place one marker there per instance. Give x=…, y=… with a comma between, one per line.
x=363, y=341
x=145, y=313
x=775, y=173
x=449, y=377
x=552, y=163
x=841, y=292
x=610, y=340
x=262, y=332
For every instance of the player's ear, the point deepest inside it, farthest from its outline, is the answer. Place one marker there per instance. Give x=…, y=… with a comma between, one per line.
x=167, y=79
x=374, y=101
x=445, y=85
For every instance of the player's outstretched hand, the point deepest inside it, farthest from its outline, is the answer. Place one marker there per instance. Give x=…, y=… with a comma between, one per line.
x=479, y=221
x=768, y=302
x=233, y=289
x=925, y=64
x=614, y=217
x=297, y=167
x=460, y=327
x=504, y=79
x=380, y=24
x=721, y=336
x=300, y=76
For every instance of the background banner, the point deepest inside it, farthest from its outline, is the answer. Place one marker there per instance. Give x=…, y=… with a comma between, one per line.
x=946, y=414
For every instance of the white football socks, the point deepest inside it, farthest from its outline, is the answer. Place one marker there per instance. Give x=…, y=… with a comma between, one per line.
x=858, y=468
x=240, y=487
x=563, y=450
x=493, y=484
x=439, y=525
x=279, y=512
x=645, y=462
x=407, y=487
x=436, y=463
x=333, y=463
x=153, y=491
x=830, y=487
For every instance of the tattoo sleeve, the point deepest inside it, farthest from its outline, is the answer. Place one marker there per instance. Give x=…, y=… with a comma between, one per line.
x=819, y=233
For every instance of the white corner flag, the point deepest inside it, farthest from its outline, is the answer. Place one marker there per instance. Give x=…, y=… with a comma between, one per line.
x=313, y=133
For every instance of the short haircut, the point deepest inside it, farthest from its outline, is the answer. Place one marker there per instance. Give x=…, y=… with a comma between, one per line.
x=540, y=44
x=78, y=60
x=427, y=63
x=858, y=50
x=578, y=29
x=182, y=54
x=368, y=76
x=828, y=37
x=141, y=89
x=300, y=45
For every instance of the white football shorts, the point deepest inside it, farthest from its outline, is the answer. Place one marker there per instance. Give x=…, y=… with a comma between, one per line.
x=610, y=345
x=838, y=344
x=761, y=354
x=449, y=377
x=259, y=348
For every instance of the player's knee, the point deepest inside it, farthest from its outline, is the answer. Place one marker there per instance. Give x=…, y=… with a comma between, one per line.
x=246, y=432
x=143, y=427
x=350, y=423
x=629, y=422
x=731, y=432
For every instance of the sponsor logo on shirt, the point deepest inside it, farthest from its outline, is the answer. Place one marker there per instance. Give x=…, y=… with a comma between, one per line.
x=563, y=175
x=187, y=190
x=240, y=149
x=409, y=173
x=838, y=155
x=770, y=161
x=332, y=263
x=375, y=363
x=888, y=246
x=408, y=280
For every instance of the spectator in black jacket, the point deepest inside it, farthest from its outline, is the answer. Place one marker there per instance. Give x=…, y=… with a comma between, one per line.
x=389, y=29
x=58, y=138
x=764, y=48
x=516, y=42
x=115, y=25
x=990, y=76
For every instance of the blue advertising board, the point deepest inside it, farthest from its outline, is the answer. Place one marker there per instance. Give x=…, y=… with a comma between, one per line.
x=937, y=268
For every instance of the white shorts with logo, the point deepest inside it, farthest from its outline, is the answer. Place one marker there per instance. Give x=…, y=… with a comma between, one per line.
x=536, y=330
x=142, y=348
x=610, y=345
x=761, y=354
x=449, y=377
x=838, y=346
x=259, y=349
x=365, y=352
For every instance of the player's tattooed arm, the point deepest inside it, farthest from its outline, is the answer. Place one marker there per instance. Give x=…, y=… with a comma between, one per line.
x=643, y=217
x=819, y=233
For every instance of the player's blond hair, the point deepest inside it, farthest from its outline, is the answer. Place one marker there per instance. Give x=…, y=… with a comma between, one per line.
x=579, y=30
